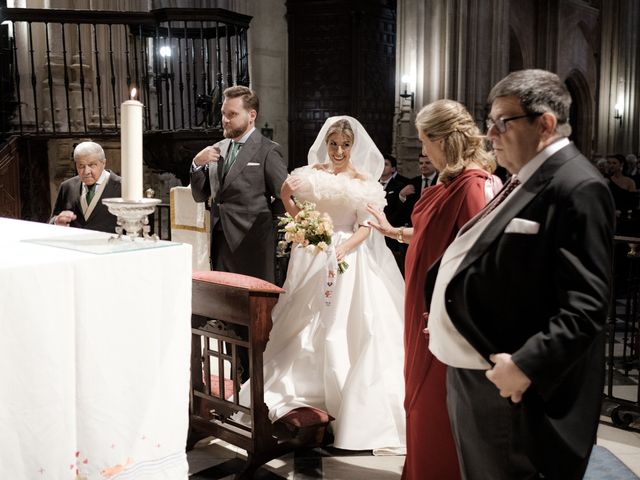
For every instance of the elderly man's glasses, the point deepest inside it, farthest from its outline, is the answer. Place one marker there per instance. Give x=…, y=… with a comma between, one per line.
x=501, y=123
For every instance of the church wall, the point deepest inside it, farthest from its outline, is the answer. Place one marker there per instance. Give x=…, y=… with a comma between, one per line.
x=523, y=22
x=268, y=64
x=578, y=42
x=460, y=48
x=619, y=81
x=578, y=51
x=456, y=49
x=268, y=73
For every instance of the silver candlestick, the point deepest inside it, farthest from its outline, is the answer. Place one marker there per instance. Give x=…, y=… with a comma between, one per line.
x=132, y=216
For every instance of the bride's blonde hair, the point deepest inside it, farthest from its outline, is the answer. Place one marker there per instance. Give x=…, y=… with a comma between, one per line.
x=341, y=126
x=463, y=143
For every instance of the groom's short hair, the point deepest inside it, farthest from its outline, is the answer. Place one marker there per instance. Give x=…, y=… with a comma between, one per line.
x=249, y=97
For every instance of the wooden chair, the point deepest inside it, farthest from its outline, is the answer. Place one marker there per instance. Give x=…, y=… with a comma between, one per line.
x=236, y=310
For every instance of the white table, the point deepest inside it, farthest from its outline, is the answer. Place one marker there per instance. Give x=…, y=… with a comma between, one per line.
x=94, y=358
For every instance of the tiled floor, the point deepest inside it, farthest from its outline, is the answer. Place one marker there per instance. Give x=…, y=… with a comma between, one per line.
x=215, y=459
x=623, y=444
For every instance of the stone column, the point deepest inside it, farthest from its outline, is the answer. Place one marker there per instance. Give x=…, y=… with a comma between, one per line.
x=619, y=79
x=420, y=54
x=450, y=49
x=630, y=141
x=268, y=67
x=56, y=61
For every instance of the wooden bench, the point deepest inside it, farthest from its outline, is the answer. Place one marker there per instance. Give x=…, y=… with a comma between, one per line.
x=236, y=310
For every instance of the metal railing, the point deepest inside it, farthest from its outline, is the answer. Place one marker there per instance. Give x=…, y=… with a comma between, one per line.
x=68, y=74
x=623, y=345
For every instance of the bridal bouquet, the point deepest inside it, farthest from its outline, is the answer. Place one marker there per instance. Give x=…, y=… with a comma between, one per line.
x=309, y=228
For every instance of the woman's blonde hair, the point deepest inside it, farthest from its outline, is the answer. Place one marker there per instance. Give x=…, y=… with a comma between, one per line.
x=463, y=143
x=341, y=126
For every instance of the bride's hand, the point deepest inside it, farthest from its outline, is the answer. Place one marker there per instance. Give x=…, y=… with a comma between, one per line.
x=341, y=252
x=290, y=185
x=382, y=225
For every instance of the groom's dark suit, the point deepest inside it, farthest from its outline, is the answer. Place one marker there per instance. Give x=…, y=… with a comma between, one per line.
x=241, y=211
x=542, y=297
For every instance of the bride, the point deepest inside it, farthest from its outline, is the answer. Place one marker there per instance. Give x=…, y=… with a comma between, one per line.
x=342, y=353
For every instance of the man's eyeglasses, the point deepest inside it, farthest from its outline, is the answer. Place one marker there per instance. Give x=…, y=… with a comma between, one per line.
x=501, y=123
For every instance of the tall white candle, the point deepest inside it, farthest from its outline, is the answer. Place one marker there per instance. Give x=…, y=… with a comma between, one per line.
x=131, y=149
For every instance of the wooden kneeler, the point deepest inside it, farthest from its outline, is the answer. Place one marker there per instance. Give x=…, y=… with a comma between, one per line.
x=230, y=312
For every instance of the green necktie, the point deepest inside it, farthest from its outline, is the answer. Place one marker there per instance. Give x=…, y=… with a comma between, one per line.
x=231, y=157
x=91, y=190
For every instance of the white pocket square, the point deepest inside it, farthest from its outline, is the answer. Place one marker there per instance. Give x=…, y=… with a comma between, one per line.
x=253, y=164
x=520, y=225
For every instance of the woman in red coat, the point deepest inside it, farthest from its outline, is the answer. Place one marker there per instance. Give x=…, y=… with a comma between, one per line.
x=453, y=142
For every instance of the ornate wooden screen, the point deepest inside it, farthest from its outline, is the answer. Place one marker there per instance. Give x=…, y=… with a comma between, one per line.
x=341, y=62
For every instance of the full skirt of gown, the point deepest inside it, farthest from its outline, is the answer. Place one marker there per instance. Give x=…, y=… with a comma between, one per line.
x=341, y=351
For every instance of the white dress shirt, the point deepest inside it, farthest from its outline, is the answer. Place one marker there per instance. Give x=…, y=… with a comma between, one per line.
x=428, y=181
x=384, y=183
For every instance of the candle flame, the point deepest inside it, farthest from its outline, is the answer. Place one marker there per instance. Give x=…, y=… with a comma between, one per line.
x=133, y=93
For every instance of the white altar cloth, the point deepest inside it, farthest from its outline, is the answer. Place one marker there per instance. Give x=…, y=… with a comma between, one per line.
x=94, y=359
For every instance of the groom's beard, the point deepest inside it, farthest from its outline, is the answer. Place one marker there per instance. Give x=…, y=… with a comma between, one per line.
x=235, y=132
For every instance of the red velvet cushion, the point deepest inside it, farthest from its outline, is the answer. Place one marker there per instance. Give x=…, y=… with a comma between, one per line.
x=215, y=387
x=306, y=417
x=236, y=280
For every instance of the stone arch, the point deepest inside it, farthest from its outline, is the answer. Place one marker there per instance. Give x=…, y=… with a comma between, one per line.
x=516, y=57
x=588, y=35
x=581, y=113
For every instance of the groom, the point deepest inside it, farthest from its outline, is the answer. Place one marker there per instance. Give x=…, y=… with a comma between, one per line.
x=243, y=175
x=526, y=373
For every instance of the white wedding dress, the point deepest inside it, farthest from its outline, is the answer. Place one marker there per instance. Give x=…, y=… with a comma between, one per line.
x=346, y=357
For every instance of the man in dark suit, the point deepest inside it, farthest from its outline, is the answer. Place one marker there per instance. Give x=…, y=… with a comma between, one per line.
x=79, y=198
x=243, y=175
x=526, y=373
x=410, y=194
x=393, y=182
